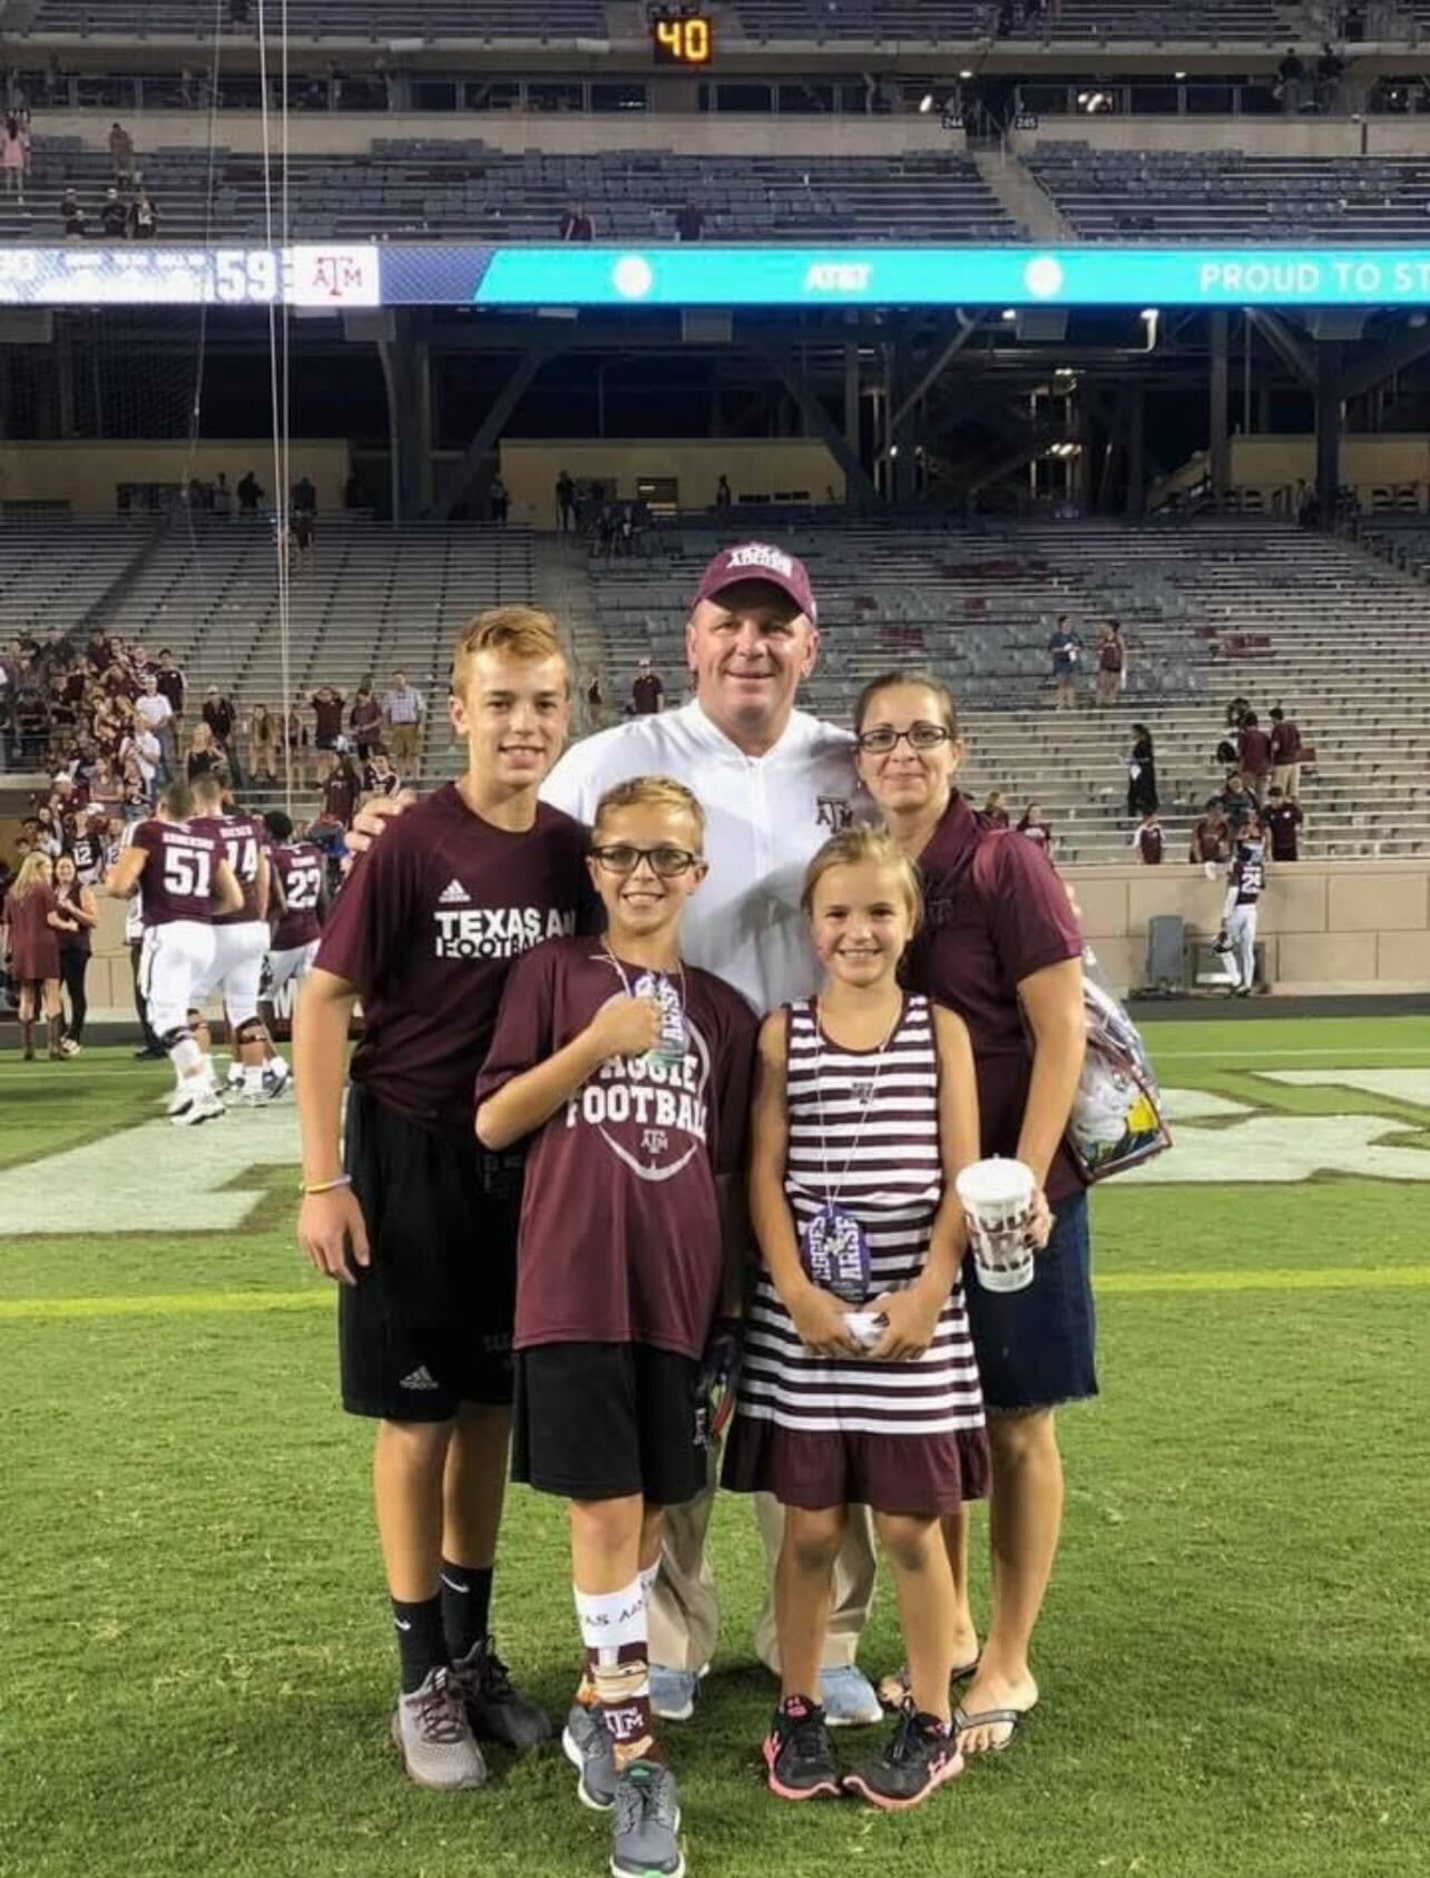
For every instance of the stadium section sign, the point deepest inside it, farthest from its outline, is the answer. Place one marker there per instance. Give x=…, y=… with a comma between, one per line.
x=345, y=275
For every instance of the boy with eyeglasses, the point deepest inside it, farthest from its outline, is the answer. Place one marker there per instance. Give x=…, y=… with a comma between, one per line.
x=628, y=1072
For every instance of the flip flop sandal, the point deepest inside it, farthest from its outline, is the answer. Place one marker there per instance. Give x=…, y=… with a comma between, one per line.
x=1010, y=1718
x=895, y=1689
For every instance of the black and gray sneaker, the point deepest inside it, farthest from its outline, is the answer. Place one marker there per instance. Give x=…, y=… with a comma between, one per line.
x=431, y=1732
x=922, y=1754
x=647, y=1819
x=798, y=1753
x=495, y=1707
x=586, y=1742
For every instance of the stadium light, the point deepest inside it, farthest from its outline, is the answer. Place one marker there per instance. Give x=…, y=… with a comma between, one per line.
x=1010, y=313
x=965, y=76
x=925, y=104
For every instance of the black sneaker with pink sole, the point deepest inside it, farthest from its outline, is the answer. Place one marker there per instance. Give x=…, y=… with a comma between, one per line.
x=921, y=1755
x=798, y=1754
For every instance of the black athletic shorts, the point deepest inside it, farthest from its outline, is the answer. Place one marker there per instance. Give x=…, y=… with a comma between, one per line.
x=598, y=1421
x=428, y=1324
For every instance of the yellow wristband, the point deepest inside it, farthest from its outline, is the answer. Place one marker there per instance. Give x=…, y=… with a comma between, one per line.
x=323, y=1186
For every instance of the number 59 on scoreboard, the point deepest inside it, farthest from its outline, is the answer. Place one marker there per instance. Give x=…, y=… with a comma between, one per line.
x=681, y=38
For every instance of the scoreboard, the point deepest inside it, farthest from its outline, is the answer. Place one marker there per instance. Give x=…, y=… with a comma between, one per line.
x=682, y=36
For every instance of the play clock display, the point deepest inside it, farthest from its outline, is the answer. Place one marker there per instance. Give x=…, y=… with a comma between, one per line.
x=680, y=37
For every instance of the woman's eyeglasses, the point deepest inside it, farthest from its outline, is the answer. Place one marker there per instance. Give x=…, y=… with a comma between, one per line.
x=668, y=863
x=883, y=738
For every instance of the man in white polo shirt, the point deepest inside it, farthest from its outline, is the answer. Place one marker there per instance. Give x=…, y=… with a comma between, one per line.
x=775, y=783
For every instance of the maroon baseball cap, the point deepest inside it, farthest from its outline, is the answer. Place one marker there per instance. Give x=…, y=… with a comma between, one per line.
x=758, y=560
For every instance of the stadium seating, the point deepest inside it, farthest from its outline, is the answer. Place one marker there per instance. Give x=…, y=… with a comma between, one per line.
x=376, y=601
x=56, y=570
x=941, y=20
x=1209, y=610
x=347, y=19
x=931, y=21
x=470, y=191
x=1111, y=194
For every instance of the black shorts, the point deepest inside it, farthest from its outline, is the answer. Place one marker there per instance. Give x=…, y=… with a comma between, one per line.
x=428, y=1324
x=598, y=1421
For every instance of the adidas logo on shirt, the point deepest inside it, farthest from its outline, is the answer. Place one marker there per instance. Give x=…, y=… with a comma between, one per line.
x=454, y=895
x=421, y=1378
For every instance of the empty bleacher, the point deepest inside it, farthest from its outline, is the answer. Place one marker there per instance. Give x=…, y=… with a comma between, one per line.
x=344, y=19
x=941, y=20
x=57, y=569
x=1109, y=195
x=442, y=190
x=377, y=600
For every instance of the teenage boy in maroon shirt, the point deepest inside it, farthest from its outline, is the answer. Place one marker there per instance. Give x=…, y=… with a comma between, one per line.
x=1286, y=754
x=426, y=931
x=1211, y=838
x=637, y=1114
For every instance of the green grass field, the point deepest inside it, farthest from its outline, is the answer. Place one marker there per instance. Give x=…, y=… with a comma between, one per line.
x=195, y=1659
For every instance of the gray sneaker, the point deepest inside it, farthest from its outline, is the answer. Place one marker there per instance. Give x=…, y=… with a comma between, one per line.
x=647, y=1819
x=586, y=1743
x=432, y=1734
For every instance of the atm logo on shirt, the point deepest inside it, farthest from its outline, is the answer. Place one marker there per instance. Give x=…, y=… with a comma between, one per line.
x=834, y=813
x=653, y=1116
x=497, y=932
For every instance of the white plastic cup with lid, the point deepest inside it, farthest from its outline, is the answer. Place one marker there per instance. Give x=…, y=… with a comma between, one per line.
x=997, y=1198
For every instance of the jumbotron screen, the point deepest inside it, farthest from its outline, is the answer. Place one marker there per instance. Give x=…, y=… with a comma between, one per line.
x=343, y=275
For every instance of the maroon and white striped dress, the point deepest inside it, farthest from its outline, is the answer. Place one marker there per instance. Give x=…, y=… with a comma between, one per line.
x=815, y=1431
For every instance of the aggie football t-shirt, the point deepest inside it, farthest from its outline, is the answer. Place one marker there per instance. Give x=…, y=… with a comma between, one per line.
x=427, y=928
x=621, y=1238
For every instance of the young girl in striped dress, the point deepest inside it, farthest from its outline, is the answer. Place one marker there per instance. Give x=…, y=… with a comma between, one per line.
x=859, y=1385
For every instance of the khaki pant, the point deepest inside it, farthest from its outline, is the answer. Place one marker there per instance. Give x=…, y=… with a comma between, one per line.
x=403, y=741
x=685, y=1610
x=1287, y=778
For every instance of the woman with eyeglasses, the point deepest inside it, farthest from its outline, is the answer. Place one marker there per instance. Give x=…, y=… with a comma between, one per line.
x=1001, y=947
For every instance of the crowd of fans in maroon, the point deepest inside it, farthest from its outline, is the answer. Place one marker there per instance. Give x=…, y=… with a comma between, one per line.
x=108, y=724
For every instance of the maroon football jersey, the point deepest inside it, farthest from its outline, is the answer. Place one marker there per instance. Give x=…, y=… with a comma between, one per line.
x=428, y=927
x=243, y=839
x=299, y=866
x=1150, y=843
x=621, y=1238
x=995, y=912
x=178, y=878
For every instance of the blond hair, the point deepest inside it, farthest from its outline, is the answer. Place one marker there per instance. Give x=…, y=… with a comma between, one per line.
x=856, y=847
x=516, y=632
x=31, y=868
x=652, y=792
